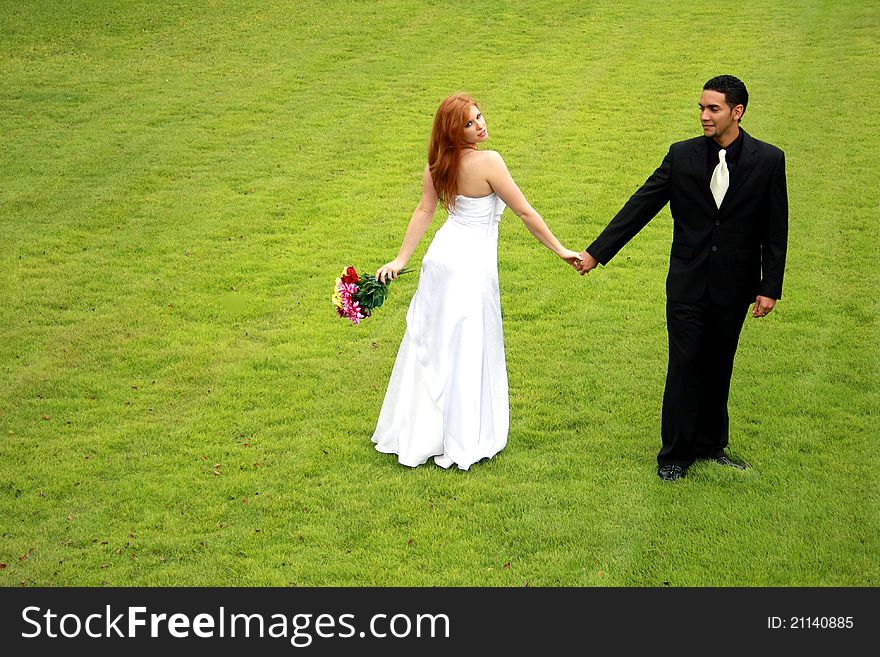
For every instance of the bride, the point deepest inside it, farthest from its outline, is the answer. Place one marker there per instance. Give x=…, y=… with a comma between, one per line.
x=447, y=396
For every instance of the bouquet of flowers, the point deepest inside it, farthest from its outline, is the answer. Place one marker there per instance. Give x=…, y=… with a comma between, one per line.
x=357, y=296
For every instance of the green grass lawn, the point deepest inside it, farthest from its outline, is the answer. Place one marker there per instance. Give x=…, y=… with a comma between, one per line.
x=180, y=184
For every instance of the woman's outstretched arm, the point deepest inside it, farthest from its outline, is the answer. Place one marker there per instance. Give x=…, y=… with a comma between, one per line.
x=502, y=182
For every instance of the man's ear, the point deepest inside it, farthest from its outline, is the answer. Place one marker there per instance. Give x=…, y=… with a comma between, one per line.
x=738, y=112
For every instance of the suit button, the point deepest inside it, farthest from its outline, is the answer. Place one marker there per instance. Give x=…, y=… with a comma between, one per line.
x=717, y=223
x=714, y=248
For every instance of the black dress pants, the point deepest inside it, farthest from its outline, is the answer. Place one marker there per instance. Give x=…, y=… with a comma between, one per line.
x=702, y=344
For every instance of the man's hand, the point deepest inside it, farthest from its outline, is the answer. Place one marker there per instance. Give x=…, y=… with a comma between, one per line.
x=763, y=306
x=587, y=263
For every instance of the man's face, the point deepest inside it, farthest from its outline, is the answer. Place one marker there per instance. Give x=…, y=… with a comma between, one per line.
x=719, y=120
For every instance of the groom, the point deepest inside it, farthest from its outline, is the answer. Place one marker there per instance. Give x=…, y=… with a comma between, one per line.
x=727, y=195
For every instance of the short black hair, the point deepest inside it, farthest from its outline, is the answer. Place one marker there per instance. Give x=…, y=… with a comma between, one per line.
x=734, y=90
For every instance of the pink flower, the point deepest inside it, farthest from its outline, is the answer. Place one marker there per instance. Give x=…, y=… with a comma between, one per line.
x=351, y=309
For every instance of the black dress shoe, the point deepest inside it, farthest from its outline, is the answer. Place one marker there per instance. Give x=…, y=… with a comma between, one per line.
x=724, y=459
x=670, y=472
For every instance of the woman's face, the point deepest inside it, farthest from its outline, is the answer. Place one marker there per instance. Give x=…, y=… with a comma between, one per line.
x=475, y=129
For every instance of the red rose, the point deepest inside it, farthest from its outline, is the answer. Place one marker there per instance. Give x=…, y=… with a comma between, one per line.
x=350, y=276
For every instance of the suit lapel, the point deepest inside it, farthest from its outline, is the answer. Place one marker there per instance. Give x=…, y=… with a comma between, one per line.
x=698, y=165
x=747, y=160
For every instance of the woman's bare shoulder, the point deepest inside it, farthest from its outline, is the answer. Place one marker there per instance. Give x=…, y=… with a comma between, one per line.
x=490, y=155
x=487, y=159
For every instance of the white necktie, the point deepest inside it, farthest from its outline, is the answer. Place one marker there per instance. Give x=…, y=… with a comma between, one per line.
x=720, y=179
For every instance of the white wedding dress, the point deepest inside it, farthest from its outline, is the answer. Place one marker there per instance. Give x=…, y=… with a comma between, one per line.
x=447, y=396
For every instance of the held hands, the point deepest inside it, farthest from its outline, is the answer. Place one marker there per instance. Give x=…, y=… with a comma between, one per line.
x=389, y=271
x=586, y=262
x=571, y=257
x=763, y=306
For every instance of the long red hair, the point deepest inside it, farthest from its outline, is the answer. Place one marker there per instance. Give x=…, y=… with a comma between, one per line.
x=445, y=147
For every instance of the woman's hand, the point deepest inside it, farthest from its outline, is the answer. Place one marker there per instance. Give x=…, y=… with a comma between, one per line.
x=389, y=271
x=571, y=257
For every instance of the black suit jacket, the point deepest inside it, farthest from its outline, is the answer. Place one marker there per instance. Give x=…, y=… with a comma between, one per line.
x=732, y=253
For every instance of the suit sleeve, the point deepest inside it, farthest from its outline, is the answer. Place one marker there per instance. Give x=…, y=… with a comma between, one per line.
x=635, y=215
x=775, y=238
